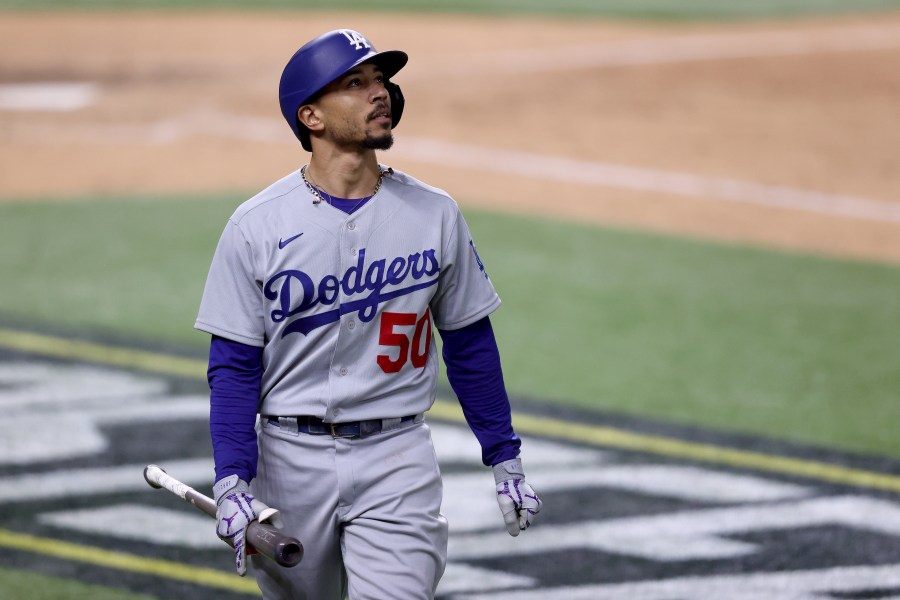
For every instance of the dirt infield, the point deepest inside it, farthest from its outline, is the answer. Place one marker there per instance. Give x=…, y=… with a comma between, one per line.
x=779, y=134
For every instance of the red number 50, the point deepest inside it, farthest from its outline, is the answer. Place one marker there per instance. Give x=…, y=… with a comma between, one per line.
x=388, y=337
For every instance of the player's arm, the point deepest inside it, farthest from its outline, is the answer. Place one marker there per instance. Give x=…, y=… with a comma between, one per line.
x=235, y=379
x=473, y=368
x=231, y=310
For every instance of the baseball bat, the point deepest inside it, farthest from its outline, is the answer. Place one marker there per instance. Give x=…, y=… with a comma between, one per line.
x=268, y=541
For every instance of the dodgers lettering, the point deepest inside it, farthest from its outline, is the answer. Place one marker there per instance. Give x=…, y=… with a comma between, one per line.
x=357, y=280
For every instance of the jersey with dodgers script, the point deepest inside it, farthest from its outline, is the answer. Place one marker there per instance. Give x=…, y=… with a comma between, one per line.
x=343, y=305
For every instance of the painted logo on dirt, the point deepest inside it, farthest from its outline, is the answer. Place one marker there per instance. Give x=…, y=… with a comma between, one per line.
x=615, y=524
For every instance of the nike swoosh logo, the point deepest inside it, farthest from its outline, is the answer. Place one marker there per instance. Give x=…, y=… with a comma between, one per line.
x=283, y=243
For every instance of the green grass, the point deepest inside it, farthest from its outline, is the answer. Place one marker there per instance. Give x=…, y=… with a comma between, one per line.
x=793, y=347
x=32, y=586
x=642, y=9
x=136, y=266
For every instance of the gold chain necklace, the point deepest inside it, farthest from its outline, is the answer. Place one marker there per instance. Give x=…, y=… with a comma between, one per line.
x=314, y=190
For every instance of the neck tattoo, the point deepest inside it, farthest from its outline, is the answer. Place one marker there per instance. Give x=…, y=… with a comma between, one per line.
x=319, y=194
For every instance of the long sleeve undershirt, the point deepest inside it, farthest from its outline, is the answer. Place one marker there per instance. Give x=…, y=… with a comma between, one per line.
x=235, y=378
x=473, y=368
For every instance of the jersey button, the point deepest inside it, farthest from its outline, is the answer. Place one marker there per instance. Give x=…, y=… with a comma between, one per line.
x=351, y=324
x=351, y=225
x=343, y=371
x=353, y=251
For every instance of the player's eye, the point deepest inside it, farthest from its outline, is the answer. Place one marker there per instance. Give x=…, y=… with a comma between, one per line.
x=355, y=82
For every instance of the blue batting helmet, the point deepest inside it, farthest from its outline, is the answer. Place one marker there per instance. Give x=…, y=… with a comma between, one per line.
x=324, y=59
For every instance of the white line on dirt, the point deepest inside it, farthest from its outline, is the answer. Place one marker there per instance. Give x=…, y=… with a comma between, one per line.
x=47, y=96
x=566, y=170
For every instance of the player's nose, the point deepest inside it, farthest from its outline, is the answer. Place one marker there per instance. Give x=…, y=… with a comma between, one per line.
x=377, y=91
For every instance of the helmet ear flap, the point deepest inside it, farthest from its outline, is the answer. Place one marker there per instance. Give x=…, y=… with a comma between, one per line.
x=397, y=102
x=303, y=134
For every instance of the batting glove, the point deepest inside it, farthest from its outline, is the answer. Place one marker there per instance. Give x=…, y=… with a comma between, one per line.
x=236, y=508
x=518, y=501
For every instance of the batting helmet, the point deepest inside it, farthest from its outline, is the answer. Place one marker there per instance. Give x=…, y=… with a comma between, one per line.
x=324, y=59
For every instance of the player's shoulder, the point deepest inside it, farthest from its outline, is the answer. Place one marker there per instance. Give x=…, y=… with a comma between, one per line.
x=414, y=190
x=271, y=198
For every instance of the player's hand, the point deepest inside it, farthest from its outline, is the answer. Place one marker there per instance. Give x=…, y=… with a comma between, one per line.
x=518, y=501
x=236, y=508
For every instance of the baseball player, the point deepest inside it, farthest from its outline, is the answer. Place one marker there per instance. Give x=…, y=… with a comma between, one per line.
x=321, y=300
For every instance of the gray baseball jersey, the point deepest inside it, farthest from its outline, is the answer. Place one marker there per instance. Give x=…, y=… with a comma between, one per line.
x=343, y=305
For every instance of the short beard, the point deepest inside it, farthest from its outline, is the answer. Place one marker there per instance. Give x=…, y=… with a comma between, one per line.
x=383, y=142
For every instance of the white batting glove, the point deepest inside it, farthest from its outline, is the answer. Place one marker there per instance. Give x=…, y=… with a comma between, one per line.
x=518, y=501
x=236, y=508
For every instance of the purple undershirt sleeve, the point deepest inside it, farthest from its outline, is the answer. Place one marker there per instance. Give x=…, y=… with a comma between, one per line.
x=235, y=377
x=473, y=368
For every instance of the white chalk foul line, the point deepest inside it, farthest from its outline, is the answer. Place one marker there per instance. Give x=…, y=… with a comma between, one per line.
x=564, y=170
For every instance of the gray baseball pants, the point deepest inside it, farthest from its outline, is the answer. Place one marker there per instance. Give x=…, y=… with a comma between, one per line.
x=367, y=511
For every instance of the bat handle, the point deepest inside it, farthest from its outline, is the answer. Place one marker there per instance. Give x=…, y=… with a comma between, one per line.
x=268, y=541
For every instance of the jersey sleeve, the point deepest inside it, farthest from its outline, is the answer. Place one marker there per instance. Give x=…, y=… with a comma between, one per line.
x=232, y=303
x=465, y=293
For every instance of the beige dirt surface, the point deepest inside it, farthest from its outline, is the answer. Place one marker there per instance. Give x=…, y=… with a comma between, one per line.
x=778, y=134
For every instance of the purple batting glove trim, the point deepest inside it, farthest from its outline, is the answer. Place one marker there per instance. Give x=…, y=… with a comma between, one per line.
x=243, y=500
x=506, y=492
x=229, y=521
x=518, y=493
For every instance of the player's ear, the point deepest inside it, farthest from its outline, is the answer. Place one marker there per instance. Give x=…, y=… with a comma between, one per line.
x=309, y=117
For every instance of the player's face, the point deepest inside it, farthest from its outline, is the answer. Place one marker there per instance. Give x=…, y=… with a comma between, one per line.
x=356, y=109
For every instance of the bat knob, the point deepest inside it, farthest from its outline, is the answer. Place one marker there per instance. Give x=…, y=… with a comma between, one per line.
x=290, y=553
x=150, y=480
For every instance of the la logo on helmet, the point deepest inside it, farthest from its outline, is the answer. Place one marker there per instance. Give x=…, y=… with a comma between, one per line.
x=355, y=38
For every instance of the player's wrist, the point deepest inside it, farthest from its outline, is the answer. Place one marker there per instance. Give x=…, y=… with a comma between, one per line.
x=229, y=485
x=508, y=469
